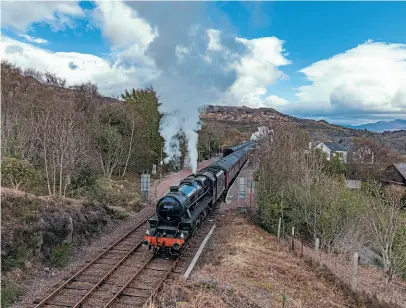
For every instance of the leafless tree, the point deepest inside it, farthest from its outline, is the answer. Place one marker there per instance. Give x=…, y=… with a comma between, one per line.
x=383, y=219
x=52, y=79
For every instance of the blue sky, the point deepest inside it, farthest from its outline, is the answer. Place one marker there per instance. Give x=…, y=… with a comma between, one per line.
x=317, y=30
x=341, y=61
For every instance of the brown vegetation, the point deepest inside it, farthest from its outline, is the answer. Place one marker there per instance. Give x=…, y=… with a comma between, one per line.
x=244, y=266
x=308, y=192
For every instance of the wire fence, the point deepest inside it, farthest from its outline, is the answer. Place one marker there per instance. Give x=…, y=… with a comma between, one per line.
x=366, y=283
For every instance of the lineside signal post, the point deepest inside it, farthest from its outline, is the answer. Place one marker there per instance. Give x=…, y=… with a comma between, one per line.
x=145, y=186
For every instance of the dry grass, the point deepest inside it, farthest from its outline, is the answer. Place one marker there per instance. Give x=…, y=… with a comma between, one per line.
x=244, y=266
x=371, y=284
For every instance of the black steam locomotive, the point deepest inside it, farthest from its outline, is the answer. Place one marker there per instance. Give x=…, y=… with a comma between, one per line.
x=180, y=213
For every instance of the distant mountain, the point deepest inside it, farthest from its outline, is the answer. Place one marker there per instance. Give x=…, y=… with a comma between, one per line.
x=382, y=126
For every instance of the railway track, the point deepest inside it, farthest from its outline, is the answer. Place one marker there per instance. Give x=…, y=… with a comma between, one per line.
x=123, y=275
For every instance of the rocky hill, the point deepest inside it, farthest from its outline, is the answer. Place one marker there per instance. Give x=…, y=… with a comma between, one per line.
x=248, y=119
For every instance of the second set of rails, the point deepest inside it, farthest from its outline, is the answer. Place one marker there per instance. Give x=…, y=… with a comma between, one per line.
x=125, y=274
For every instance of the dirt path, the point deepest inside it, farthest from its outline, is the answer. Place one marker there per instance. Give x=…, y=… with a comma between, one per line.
x=44, y=279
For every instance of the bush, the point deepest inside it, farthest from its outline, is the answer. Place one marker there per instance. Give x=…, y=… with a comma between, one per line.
x=116, y=193
x=9, y=293
x=17, y=173
x=15, y=258
x=84, y=183
x=61, y=254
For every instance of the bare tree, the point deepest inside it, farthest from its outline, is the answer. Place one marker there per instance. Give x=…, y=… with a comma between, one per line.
x=62, y=142
x=383, y=219
x=53, y=80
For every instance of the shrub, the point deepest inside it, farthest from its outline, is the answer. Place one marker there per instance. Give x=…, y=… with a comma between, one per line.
x=9, y=293
x=14, y=259
x=17, y=173
x=116, y=193
x=61, y=254
x=84, y=183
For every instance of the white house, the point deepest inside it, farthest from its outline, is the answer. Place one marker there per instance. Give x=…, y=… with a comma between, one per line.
x=333, y=149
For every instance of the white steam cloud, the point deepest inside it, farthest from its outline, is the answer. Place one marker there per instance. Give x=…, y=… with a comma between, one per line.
x=171, y=46
x=261, y=133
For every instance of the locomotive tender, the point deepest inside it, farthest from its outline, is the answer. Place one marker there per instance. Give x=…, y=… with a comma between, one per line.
x=180, y=213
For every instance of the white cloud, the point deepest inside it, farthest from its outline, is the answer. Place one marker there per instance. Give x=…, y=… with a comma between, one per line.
x=111, y=77
x=368, y=79
x=214, y=40
x=275, y=101
x=258, y=69
x=20, y=15
x=32, y=39
x=128, y=33
x=181, y=52
x=123, y=26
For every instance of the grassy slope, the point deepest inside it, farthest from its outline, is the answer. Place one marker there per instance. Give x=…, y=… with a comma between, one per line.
x=244, y=266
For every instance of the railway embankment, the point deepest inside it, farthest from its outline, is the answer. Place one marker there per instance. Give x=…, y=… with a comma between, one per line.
x=41, y=235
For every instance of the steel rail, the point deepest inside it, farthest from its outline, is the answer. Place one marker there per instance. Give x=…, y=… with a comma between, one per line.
x=161, y=282
x=128, y=282
x=43, y=302
x=80, y=302
x=155, y=290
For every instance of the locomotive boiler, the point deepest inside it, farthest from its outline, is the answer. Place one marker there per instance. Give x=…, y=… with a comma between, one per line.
x=182, y=210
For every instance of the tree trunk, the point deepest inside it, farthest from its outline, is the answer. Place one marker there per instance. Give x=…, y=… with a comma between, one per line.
x=46, y=169
x=129, y=149
x=60, y=174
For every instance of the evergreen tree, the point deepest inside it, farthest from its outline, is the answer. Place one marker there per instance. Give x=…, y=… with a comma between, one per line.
x=145, y=104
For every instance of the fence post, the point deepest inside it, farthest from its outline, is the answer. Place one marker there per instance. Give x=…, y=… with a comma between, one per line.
x=279, y=228
x=317, y=245
x=355, y=272
x=292, y=244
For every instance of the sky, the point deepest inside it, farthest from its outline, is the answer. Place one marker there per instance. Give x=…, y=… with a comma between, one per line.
x=344, y=62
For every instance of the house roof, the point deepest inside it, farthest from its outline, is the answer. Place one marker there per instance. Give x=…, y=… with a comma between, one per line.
x=334, y=146
x=401, y=167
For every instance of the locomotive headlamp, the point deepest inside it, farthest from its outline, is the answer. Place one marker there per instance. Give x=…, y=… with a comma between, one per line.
x=182, y=236
x=147, y=232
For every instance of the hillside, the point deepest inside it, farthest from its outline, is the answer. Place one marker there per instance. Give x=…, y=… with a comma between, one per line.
x=244, y=266
x=382, y=126
x=248, y=119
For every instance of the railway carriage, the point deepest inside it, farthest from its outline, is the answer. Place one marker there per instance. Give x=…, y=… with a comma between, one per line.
x=180, y=213
x=230, y=150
